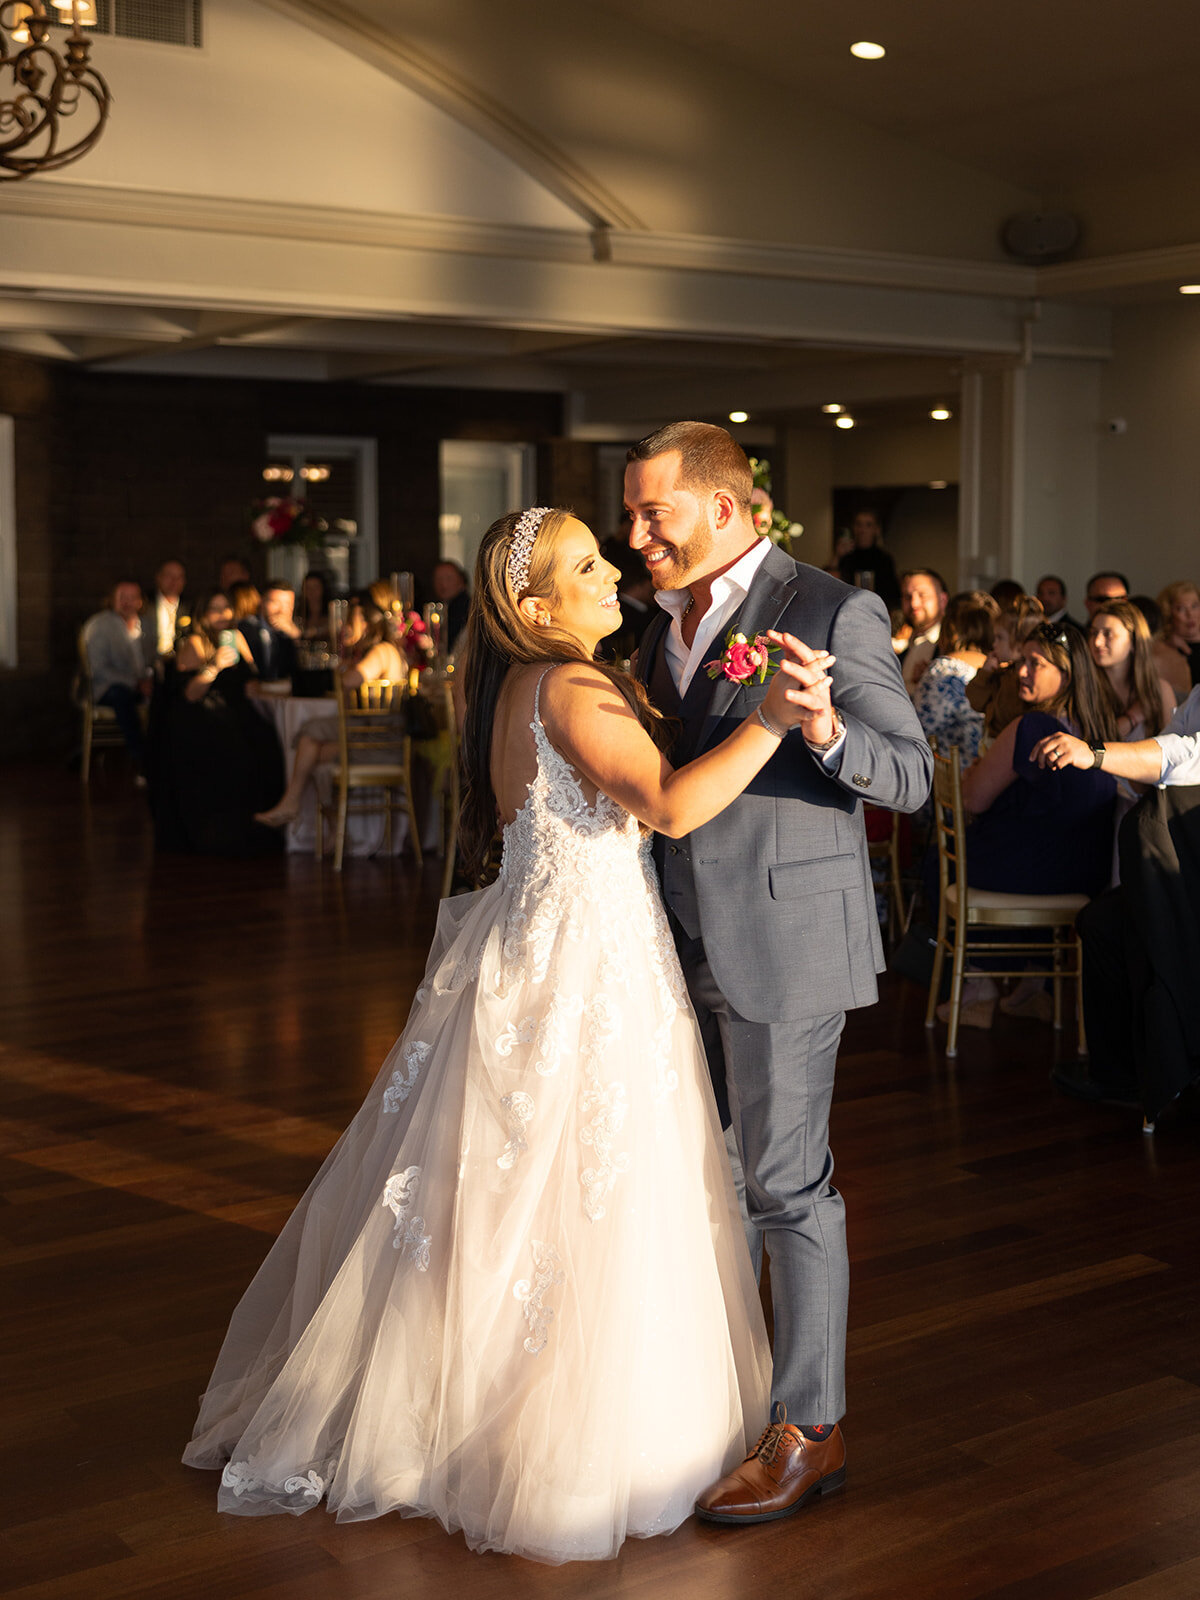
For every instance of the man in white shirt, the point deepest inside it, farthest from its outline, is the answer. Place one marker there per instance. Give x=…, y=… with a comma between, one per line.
x=169, y=583
x=1170, y=759
x=923, y=601
x=120, y=654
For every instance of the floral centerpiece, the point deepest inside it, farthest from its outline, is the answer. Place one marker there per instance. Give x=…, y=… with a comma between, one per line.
x=412, y=638
x=768, y=518
x=285, y=521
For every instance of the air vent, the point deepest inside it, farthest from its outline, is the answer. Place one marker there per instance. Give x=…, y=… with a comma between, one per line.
x=160, y=21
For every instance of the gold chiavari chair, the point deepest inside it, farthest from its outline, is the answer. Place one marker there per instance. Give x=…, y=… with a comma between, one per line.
x=374, y=753
x=967, y=908
x=98, y=724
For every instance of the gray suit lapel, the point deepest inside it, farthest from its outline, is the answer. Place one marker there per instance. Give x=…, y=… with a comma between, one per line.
x=768, y=598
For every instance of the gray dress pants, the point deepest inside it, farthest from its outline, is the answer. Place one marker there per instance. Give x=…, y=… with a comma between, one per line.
x=776, y=1079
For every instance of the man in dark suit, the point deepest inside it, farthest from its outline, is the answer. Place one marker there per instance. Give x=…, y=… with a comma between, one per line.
x=772, y=904
x=273, y=633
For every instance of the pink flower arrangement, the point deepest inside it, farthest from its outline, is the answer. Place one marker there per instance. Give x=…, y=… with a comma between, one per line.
x=744, y=659
x=280, y=521
x=413, y=638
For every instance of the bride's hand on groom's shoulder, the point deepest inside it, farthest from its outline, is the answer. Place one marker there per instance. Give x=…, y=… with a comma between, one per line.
x=798, y=695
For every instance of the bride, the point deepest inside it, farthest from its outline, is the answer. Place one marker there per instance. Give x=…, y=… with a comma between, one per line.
x=517, y=1295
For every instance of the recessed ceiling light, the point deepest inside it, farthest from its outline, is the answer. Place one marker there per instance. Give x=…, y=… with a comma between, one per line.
x=833, y=409
x=1189, y=288
x=941, y=414
x=866, y=51
x=843, y=421
x=739, y=416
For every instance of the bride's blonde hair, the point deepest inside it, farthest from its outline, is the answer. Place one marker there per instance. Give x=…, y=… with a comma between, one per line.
x=499, y=636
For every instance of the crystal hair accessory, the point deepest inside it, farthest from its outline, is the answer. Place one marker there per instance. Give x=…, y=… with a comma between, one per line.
x=524, y=535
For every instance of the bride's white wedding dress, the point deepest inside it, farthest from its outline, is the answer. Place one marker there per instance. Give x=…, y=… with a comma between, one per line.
x=517, y=1296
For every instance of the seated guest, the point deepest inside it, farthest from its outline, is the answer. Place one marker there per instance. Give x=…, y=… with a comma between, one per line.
x=316, y=591
x=218, y=760
x=995, y=690
x=120, y=656
x=1121, y=648
x=450, y=588
x=867, y=564
x=233, y=570
x=1038, y=831
x=922, y=605
x=963, y=647
x=1102, y=586
x=1052, y=596
x=1006, y=593
x=1114, y=947
x=270, y=631
x=167, y=605
x=1177, y=648
x=1148, y=606
x=367, y=653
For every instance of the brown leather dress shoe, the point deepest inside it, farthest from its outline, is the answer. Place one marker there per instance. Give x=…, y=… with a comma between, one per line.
x=781, y=1473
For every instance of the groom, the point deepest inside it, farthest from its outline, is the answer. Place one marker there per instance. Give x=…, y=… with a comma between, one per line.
x=772, y=906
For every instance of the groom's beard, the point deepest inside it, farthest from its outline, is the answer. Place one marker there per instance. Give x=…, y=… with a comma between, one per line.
x=682, y=560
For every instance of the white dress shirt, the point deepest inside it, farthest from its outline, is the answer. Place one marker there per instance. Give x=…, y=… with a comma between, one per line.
x=166, y=611
x=728, y=591
x=1180, y=743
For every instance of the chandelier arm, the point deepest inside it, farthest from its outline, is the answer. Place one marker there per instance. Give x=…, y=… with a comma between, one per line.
x=40, y=87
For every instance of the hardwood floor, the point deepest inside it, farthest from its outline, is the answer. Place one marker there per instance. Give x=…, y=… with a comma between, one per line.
x=182, y=1040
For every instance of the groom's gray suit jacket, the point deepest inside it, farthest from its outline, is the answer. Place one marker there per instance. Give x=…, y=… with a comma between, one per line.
x=778, y=885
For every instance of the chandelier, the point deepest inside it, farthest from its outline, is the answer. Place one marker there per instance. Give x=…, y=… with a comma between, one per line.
x=44, y=86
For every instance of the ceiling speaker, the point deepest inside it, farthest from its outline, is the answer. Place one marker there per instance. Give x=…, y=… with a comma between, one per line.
x=1037, y=237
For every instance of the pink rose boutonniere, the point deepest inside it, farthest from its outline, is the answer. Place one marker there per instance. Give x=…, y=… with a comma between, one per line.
x=744, y=660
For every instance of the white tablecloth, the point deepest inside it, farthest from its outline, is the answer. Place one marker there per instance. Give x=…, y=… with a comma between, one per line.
x=364, y=834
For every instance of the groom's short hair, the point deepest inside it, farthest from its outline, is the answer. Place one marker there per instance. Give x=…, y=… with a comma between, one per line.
x=710, y=458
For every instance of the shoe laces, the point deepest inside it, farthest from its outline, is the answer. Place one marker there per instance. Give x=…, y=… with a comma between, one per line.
x=770, y=1439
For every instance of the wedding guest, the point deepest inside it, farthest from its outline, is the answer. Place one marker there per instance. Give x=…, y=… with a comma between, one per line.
x=120, y=655
x=219, y=761
x=271, y=632
x=1111, y=946
x=1148, y=606
x=868, y=565
x=233, y=570
x=1006, y=593
x=167, y=606
x=922, y=605
x=1052, y=594
x=315, y=594
x=450, y=587
x=941, y=698
x=1102, y=586
x=1122, y=648
x=995, y=690
x=1177, y=649
x=244, y=600
x=1038, y=831
x=368, y=653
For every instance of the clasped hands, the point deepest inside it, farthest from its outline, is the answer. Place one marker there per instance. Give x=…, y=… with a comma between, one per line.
x=798, y=693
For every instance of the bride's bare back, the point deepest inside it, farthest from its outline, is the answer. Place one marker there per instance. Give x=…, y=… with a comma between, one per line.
x=514, y=754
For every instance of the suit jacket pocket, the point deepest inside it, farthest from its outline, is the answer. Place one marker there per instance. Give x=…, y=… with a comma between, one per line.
x=791, y=879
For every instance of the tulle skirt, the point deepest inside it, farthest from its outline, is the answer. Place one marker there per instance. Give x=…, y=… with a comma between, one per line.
x=517, y=1296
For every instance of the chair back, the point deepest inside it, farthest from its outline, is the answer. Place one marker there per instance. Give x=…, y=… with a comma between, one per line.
x=81, y=683
x=371, y=723
x=949, y=818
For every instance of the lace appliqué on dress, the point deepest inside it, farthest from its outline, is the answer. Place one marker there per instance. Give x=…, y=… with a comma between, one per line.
x=520, y=1109
x=404, y=1078
x=547, y=1274
x=602, y=1109
x=399, y=1196
x=238, y=1477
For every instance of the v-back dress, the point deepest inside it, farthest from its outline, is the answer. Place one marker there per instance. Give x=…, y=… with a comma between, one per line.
x=517, y=1296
